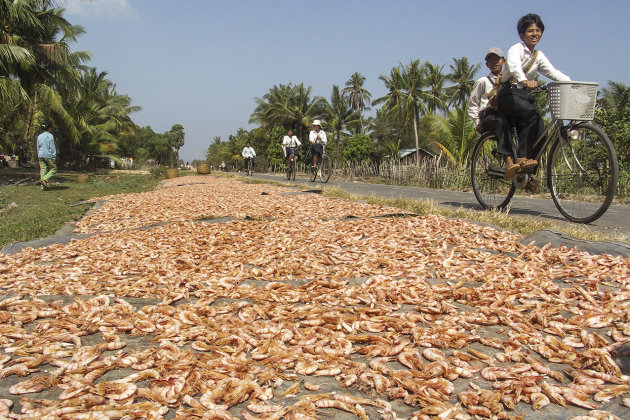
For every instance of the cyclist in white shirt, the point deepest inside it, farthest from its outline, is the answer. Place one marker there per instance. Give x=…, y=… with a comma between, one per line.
x=248, y=154
x=515, y=102
x=290, y=145
x=318, y=138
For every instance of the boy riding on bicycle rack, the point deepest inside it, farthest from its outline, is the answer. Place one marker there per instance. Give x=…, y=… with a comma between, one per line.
x=485, y=117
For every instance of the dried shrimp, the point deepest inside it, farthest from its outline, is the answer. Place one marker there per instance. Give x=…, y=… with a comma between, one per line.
x=272, y=314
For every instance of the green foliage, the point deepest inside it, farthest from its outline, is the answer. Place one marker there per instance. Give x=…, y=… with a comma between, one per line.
x=176, y=140
x=463, y=76
x=357, y=148
x=158, y=171
x=289, y=106
x=339, y=116
x=274, y=153
x=358, y=97
x=454, y=136
x=41, y=213
x=613, y=115
x=147, y=144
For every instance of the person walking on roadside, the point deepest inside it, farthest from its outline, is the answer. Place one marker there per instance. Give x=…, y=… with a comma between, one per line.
x=47, y=155
x=318, y=138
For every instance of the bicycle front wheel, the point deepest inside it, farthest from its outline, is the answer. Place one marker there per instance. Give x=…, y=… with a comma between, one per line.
x=582, y=173
x=486, y=172
x=290, y=167
x=325, y=169
x=312, y=174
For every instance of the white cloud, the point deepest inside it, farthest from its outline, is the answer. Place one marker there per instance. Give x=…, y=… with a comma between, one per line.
x=99, y=8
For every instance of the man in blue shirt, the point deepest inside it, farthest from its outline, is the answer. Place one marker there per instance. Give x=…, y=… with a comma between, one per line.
x=47, y=155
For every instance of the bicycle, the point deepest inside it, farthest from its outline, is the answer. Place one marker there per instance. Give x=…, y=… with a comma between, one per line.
x=322, y=169
x=582, y=170
x=292, y=166
x=250, y=166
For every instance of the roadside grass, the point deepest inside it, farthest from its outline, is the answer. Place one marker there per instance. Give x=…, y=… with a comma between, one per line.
x=504, y=220
x=28, y=213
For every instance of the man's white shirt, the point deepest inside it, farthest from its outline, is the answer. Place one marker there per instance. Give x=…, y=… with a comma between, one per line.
x=248, y=152
x=314, y=138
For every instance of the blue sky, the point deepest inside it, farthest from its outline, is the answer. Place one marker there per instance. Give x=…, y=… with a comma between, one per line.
x=201, y=63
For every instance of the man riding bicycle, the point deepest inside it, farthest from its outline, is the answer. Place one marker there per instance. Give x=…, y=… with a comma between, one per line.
x=290, y=145
x=318, y=138
x=248, y=154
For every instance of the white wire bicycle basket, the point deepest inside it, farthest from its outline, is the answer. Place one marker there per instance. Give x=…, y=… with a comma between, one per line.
x=572, y=100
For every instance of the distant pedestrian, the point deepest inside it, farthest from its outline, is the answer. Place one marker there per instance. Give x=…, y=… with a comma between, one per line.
x=47, y=155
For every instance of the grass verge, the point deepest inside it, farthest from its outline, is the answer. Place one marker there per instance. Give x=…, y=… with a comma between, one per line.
x=28, y=213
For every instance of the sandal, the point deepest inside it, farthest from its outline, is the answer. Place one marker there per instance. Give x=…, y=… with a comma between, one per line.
x=510, y=171
x=527, y=164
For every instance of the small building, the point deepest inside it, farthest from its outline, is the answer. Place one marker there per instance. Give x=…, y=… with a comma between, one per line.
x=408, y=156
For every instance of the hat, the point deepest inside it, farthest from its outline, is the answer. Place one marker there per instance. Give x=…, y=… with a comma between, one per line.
x=496, y=51
x=317, y=122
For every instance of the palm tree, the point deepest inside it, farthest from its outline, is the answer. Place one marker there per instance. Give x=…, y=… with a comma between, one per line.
x=36, y=37
x=463, y=76
x=176, y=137
x=358, y=96
x=96, y=116
x=339, y=115
x=454, y=135
x=405, y=85
x=434, y=96
x=290, y=106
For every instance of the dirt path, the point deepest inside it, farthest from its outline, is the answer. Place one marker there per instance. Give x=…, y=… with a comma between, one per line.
x=213, y=296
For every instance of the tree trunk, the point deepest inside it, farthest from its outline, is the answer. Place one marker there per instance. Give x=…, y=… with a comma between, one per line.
x=26, y=132
x=415, y=131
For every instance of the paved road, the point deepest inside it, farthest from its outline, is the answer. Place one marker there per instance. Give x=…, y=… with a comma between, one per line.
x=615, y=222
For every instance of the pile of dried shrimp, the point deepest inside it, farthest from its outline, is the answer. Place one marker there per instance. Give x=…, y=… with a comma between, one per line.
x=301, y=313
x=192, y=198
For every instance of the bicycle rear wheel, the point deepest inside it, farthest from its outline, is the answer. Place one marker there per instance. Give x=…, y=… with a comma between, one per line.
x=582, y=173
x=486, y=172
x=325, y=169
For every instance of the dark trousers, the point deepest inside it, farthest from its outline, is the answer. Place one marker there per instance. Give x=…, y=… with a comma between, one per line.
x=517, y=105
x=494, y=122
